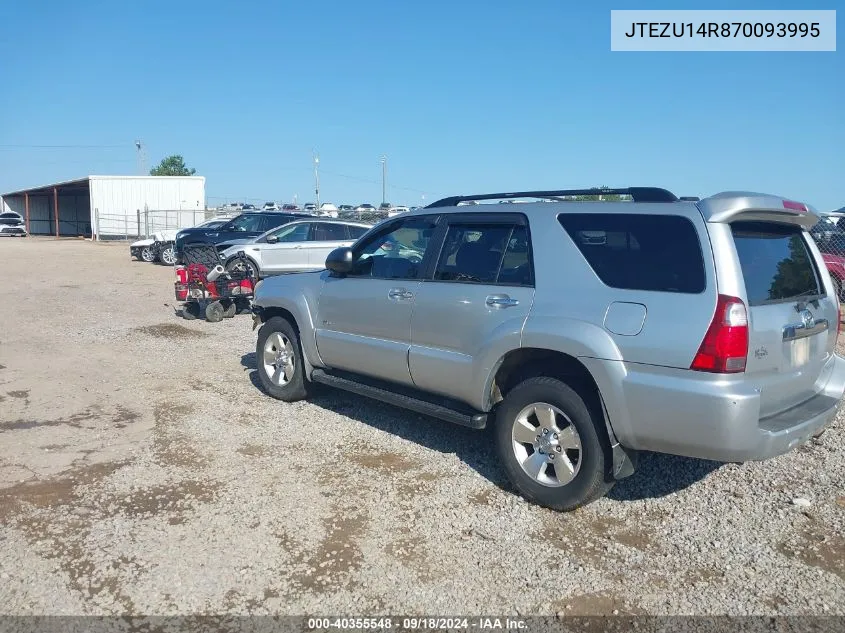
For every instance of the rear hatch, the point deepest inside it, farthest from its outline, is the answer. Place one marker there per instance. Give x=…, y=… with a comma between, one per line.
x=792, y=313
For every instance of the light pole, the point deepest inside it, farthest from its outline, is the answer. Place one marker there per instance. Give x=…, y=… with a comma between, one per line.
x=317, y=178
x=383, y=179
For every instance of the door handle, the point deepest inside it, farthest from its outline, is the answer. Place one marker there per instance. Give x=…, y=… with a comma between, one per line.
x=501, y=301
x=399, y=293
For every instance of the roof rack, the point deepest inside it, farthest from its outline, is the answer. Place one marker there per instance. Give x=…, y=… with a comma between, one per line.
x=638, y=194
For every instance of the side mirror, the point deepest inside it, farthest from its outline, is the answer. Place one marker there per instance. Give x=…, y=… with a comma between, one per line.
x=339, y=260
x=272, y=239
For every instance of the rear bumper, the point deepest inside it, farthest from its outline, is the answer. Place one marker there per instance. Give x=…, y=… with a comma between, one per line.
x=675, y=412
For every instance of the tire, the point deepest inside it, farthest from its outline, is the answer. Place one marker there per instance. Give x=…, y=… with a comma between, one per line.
x=147, y=255
x=275, y=336
x=190, y=310
x=578, y=440
x=168, y=256
x=230, y=309
x=239, y=264
x=214, y=312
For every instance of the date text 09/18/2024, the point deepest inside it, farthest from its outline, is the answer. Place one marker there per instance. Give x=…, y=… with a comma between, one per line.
x=416, y=623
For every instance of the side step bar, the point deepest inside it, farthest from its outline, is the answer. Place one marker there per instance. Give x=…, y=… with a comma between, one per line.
x=473, y=420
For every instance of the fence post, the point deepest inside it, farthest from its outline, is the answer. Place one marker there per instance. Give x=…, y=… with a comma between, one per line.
x=138, y=216
x=97, y=224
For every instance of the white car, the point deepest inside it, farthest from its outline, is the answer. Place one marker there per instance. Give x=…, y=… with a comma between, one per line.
x=327, y=210
x=12, y=224
x=394, y=211
x=302, y=245
x=270, y=206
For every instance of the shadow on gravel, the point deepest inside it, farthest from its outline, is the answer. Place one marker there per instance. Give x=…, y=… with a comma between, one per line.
x=659, y=475
x=472, y=447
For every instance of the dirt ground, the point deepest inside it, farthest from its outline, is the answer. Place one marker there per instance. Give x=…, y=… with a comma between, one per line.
x=143, y=471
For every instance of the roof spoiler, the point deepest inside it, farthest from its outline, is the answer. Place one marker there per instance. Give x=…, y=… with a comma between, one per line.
x=729, y=206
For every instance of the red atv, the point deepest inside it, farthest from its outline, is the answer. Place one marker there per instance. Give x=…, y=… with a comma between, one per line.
x=207, y=289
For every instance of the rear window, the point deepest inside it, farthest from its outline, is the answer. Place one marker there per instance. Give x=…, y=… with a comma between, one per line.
x=639, y=252
x=775, y=262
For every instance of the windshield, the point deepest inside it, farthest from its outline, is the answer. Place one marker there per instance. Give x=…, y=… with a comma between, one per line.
x=245, y=223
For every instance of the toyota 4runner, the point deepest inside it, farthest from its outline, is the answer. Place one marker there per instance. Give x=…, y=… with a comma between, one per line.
x=580, y=331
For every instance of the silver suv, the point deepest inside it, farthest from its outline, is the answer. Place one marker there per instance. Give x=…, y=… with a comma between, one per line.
x=581, y=331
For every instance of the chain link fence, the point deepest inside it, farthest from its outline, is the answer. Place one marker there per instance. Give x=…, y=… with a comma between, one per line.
x=145, y=224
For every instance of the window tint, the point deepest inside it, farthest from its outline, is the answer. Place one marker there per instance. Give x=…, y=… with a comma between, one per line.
x=775, y=262
x=478, y=253
x=357, y=231
x=245, y=223
x=273, y=220
x=326, y=232
x=639, y=252
x=294, y=233
x=394, y=252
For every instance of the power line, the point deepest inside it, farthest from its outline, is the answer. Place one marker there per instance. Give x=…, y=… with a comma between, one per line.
x=24, y=146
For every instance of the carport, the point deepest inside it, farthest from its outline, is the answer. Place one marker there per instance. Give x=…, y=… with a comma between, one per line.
x=62, y=209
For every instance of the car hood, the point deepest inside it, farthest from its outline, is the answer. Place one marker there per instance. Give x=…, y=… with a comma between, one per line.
x=142, y=243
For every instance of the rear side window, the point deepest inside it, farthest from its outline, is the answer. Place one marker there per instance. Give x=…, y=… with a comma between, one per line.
x=639, y=252
x=775, y=262
x=356, y=231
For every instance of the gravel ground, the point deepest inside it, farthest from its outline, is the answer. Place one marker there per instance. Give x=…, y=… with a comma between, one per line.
x=143, y=471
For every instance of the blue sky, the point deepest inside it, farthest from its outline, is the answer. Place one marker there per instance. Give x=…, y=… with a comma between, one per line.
x=461, y=96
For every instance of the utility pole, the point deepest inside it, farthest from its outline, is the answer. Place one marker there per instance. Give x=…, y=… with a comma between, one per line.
x=317, y=178
x=383, y=179
x=142, y=167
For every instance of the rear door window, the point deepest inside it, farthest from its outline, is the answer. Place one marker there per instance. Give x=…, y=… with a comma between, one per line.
x=639, y=252
x=487, y=254
x=775, y=262
x=328, y=232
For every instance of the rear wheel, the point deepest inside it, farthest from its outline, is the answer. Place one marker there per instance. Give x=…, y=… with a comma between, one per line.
x=190, y=310
x=214, y=312
x=549, y=443
x=230, y=309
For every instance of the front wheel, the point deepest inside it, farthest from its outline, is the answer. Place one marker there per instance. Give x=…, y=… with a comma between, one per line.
x=549, y=442
x=168, y=256
x=147, y=255
x=243, y=266
x=281, y=368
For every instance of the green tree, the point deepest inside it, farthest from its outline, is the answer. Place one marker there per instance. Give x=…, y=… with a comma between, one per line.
x=172, y=166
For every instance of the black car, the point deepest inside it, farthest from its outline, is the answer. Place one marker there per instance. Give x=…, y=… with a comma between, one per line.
x=250, y=224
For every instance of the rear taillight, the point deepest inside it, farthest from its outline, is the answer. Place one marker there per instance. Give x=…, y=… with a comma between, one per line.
x=182, y=274
x=795, y=206
x=724, y=349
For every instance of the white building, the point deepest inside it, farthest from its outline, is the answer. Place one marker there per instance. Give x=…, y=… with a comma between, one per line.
x=106, y=206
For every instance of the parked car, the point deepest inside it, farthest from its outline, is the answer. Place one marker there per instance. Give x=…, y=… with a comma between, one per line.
x=12, y=224
x=345, y=210
x=290, y=207
x=310, y=207
x=636, y=347
x=246, y=225
x=270, y=206
x=298, y=246
x=394, y=211
x=365, y=208
x=160, y=247
x=142, y=250
x=327, y=210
